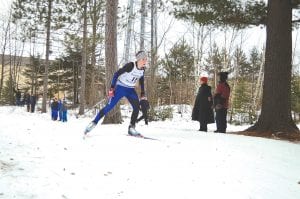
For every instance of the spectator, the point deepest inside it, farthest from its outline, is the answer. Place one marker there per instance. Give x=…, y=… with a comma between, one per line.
x=54, y=109
x=27, y=101
x=18, y=97
x=60, y=112
x=32, y=103
x=64, y=110
x=221, y=99
x=203, y=107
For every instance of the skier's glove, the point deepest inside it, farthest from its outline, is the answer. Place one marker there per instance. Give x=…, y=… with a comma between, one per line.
x=111, y=92
x=142, y=94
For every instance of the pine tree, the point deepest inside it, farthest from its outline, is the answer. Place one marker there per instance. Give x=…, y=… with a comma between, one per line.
x=34, y=75
x=39, y=17
x=296, y=96
x=114, y=116
x=277, y=16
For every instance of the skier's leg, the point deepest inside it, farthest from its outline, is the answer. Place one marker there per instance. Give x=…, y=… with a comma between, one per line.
x=119, y=93
x=134, y=101
x=140, y=118
x=145, y=115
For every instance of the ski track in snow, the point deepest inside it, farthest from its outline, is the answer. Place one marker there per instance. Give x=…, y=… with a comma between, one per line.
x=40, y=158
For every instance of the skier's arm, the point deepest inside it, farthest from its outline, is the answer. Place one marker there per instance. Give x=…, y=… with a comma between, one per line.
x=126, y=68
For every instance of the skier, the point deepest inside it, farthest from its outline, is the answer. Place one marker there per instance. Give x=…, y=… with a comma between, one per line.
x=144, y=106
x=122, y=85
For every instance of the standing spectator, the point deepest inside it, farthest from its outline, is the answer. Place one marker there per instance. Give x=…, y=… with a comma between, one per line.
x=64, y=110
x=203, y=107
x=32, y=103
x=60, y=112
x=23, y=101
x=54, y=109
x=221, y=99
x=27, y=101
x=144, y=107
x=18, y=96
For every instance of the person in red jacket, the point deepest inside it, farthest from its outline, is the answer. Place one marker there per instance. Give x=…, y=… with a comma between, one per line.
x=221, y=102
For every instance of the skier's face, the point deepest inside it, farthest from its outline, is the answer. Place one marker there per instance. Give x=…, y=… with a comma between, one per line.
x=142, y=63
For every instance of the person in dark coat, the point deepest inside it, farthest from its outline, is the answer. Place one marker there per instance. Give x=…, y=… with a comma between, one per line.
x=18, y=96
x=144, y=107
x=27, y=101
x=32, y=103
x=203, y=107
x=23, y=101
x=221, y=102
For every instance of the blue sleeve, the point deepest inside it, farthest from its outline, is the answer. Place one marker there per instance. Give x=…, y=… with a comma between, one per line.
x=126, y=68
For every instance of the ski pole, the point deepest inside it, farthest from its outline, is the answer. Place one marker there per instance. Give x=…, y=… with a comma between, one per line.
x=88, y=110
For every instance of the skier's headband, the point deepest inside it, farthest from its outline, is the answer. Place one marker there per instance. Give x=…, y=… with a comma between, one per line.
x=140, y=55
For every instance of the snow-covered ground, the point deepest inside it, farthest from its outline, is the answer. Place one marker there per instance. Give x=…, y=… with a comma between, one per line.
x=43, y=159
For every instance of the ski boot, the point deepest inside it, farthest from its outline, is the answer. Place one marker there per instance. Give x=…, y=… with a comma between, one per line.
x=132, y=131
x=89, y=127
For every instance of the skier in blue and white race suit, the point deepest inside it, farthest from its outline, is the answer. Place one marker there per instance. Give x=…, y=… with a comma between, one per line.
x=122, y=85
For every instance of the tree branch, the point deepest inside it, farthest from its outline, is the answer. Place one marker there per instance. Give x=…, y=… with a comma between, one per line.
x=296, y=21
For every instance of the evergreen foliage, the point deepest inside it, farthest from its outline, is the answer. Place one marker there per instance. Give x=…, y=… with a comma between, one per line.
x=8, y=96
x=236, y=13
x=34, y=75
x=33, y=14
x=241, y=105
x=296, y=96
x=178, y=73
x=160, y=113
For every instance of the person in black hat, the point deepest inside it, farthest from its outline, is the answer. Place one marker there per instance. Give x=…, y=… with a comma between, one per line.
x=221, y=102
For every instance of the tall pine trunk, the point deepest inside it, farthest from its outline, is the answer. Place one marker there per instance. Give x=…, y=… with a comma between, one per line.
x=276, y=102
x=84, y=61
x=94, y=17
x=151, y=83
x=111, y=63
x=3, y=57
x=129, y=30
x=143, y=24
x=48, y=26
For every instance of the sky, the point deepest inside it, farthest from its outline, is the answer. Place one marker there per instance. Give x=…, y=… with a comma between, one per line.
x=5, y=5
x=45, y=159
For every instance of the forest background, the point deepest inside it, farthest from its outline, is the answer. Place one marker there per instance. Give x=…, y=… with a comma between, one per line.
x=66, y=45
